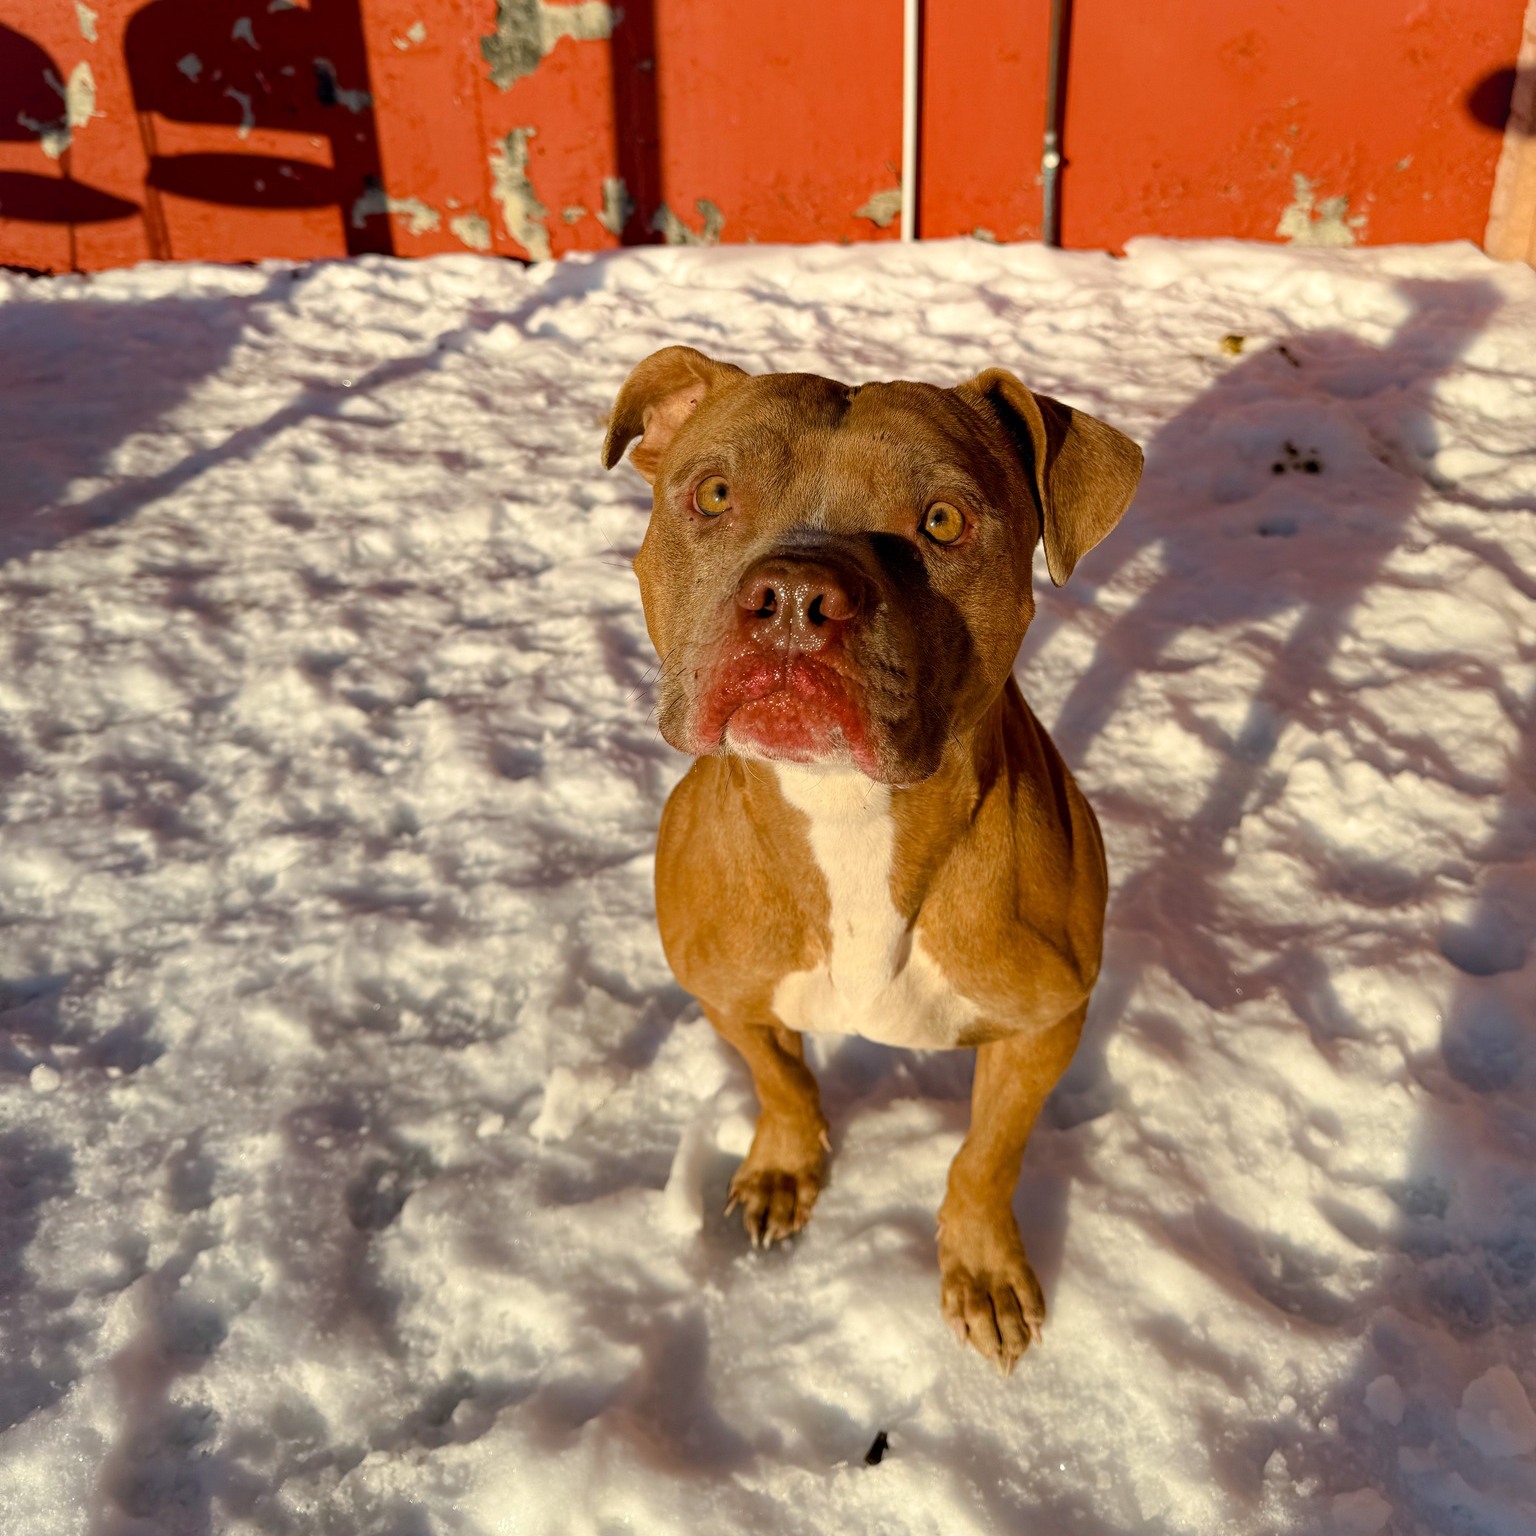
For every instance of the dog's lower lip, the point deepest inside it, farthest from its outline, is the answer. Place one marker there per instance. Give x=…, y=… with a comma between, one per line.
x=791, y=707
x=775, y=725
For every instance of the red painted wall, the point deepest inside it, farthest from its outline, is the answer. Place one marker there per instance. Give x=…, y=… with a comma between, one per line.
x=239, y=129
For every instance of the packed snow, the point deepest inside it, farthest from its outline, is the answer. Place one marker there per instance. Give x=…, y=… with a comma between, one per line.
x=362, y=1164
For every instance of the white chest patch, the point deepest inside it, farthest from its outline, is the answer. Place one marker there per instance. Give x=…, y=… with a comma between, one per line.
x=877, y=981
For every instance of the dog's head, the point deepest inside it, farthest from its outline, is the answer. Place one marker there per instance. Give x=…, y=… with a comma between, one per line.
x=843, y=572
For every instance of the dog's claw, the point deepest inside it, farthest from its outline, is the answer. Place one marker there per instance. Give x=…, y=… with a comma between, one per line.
x=774, y=1204
x=995, y=1306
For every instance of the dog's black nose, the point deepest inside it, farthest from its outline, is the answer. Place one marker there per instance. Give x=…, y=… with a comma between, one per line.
x=796, y=601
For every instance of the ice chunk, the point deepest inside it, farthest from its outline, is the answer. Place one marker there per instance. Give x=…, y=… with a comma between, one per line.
x=1496, y=1416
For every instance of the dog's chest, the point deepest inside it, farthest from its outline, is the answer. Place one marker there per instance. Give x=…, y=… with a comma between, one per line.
x=877, y=980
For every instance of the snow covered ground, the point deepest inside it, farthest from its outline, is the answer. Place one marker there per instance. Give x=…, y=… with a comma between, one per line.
x=360, y=1163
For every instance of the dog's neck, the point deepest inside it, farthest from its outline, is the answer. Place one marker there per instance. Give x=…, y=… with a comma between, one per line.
x=907, y=828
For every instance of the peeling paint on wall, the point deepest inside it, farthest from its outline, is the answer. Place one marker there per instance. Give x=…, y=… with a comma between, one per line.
x=416, y=33
x=526, y=30
x=521, y=210
x=1309, y=222
x=190, y=65
x=247, y=111
x=331, y=90
x=882, y=209
x=420, y=218
x=244, y=31
x=79, y=98
x=618, y=206
x=473, y=230
x=675, y=232
x=87, y=19
x=574, y=214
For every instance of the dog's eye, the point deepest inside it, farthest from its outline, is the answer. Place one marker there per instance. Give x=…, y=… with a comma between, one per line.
x=713, y=497
x=944, y=523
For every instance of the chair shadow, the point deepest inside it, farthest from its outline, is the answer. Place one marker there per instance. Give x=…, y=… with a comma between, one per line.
x=637, y=122
x=301, y=69
x=33, y=111
x=207, y=65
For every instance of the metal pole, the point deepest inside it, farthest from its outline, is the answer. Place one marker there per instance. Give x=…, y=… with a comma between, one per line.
x=1050, y=157
x=911, y=104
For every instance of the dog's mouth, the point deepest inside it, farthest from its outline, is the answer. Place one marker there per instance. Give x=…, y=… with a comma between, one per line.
x=787, y=707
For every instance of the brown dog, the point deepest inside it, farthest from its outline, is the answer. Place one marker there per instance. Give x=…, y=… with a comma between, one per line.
x=877, y=836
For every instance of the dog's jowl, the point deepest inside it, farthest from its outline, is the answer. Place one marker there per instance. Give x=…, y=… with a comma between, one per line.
x=877, y=837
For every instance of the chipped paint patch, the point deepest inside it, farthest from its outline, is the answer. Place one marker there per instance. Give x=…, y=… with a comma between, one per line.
x=415, y=35
x=675, y=232
x=882, y=209
x=473, y=230
x=80, y=96
x=521, y=210
x=87, y=19
x=982, y=233
x=618, y=205
x=1306, y=221
x=247, y=111
x=190, y=65
x=244, y=31
x=420, y=218
x=574, y=214
x=53, y=139
x=526, y=31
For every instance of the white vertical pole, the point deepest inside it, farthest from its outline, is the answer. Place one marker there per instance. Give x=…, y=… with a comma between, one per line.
x=911, y=83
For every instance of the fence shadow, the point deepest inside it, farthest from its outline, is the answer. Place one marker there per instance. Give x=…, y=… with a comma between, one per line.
x=81, y=377
x=1262, y=542
x=1455, y=1286
x=37, y=1365
x=1252, y=535
x=1266, y=550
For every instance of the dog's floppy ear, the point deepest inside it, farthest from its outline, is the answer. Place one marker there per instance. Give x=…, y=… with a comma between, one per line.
x=1084, y=471
x=660, y=394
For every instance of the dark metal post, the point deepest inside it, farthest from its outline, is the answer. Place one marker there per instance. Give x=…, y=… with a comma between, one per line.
x=1055, y=99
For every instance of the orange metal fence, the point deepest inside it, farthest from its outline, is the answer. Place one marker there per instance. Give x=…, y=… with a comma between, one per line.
x=134, y=129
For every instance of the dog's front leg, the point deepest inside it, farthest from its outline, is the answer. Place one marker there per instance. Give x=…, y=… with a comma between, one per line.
x=989, y=1293
x=779, y=1179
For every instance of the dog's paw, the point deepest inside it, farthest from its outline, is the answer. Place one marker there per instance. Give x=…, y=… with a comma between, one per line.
x=774, y=1203
x=991, y=1299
